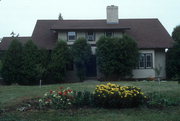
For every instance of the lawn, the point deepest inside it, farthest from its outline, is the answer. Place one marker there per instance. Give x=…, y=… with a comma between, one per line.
x=13, y=95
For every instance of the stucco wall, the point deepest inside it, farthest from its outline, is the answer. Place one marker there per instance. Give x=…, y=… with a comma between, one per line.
x=63, y=36
x=145, y=73
x=99, y=35
x=118, y=34
x=160, y=62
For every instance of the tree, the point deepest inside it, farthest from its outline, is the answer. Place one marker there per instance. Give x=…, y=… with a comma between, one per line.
x=43, y=60
x=29, y=64
x=173, y=62
x=60, y=17
x=59, y=59
x=81, y=52
x=116, y=57
x=12, y=63
x=176, y=34
x=173, y=56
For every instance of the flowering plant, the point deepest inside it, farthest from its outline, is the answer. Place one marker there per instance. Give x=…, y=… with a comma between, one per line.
x=116, y=96
x=58, y=99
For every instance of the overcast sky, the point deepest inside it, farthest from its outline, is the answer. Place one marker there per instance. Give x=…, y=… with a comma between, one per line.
x=20, y=16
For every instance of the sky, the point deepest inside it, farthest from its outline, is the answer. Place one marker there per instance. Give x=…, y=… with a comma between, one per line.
x=20, y=16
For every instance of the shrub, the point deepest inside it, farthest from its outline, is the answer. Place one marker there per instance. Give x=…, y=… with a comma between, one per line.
x=59, y=59
x=157, y=100
x=59, y=99
x=12, y=63
x=82, y=52
x=84, y=98
x=116, y=96
x=116, y=57
x=29, y=64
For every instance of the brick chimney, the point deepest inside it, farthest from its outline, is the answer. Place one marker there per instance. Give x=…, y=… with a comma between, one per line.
x=112, y=14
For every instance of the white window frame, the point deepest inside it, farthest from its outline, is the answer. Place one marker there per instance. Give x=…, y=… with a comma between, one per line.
x=71, y=34
x=88, y=36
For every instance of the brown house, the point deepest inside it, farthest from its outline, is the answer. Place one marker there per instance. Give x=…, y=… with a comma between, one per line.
x=152, y=38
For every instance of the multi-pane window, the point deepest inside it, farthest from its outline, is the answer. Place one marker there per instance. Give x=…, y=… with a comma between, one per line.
x=145, y=61
x=109, y=34
x=71, y=36
x=90, y=36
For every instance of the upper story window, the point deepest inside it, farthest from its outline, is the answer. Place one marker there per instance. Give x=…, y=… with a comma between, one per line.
x=145, y=61
x=109, y=34
x=71, y=36
x=90, y=36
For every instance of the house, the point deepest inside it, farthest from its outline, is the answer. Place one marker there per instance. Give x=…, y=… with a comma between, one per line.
x=152, y=39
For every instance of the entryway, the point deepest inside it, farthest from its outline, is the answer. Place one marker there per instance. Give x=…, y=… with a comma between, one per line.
x=91, y=67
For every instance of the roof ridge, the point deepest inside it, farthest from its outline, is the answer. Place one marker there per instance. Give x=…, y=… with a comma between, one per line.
x=96, y=19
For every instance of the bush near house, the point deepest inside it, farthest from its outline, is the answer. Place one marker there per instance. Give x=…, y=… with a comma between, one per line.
x=29, y=63
x=116, y=57
x=81, y=51
x=24, y=65
x=60, y=57
x=12, y=63
x=173, y=58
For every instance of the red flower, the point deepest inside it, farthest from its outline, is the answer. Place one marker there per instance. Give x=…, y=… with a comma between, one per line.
x=65, y=93
x=60, y=93
x=51, y=91
x=69, y=90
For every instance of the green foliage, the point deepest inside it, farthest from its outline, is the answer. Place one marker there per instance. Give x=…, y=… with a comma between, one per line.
x=116, y=56
x=173, y=61
x=0, y=66
x=82, y=53
x=29, y=64
x=60, y=17
x=173, y=58
x=43, y=61
x=60, y=58
x=176, y=34
x=83, y=98
x=12, y=63
x=157, y=100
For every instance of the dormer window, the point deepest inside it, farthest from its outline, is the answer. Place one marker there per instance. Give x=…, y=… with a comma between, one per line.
x=71, y=36
x=109, y=34
x=90, y=36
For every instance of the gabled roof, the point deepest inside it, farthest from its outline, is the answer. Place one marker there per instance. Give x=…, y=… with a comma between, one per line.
x=6, y=41
x=149, y=33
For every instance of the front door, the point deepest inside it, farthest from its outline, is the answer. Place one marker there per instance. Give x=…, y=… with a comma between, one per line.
x=91, y=67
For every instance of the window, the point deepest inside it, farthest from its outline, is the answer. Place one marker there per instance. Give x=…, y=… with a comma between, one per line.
x=71, y=36
x=109, y=34
x=90, y=36
x=145, y=61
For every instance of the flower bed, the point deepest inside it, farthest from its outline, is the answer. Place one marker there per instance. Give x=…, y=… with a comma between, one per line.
x=117, y=96
x=105, y=95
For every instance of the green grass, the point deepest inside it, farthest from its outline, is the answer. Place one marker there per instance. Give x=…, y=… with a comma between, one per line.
x=12, y=95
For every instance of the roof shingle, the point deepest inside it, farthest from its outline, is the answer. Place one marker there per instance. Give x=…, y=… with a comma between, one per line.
x=149, y=33
x=6, y=41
